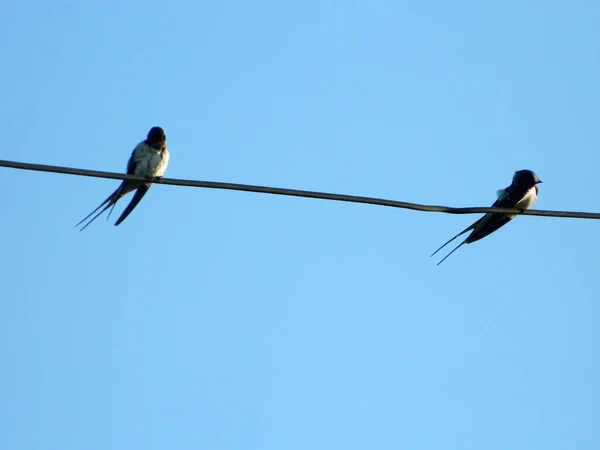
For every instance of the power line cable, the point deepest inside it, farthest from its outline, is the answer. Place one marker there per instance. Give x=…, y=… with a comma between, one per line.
x=298, y=193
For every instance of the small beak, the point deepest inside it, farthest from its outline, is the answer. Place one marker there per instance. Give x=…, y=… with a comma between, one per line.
x=540, y=181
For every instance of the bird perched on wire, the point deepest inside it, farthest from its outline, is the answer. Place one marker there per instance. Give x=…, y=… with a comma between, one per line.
x=521, y=194
x=149, y=159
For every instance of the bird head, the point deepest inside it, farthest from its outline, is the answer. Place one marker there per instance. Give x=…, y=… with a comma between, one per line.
x=156, y=135
x=526, y=178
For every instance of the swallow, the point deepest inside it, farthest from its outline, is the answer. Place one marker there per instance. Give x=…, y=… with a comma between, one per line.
x=149, y=159
x=521, y=194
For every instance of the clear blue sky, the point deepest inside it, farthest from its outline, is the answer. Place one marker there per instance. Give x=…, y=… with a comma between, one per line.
x=225, y=320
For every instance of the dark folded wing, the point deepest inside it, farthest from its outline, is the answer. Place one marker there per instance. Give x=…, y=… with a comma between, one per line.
x=139, y=194
x=491, y=221
x=131, y=163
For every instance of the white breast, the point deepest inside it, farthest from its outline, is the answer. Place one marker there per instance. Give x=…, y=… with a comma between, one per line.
x=149, y=161
x=526, y=202
x=158, y=163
